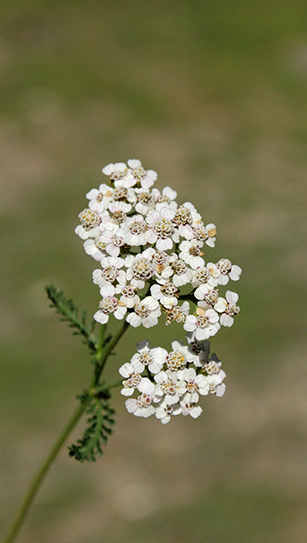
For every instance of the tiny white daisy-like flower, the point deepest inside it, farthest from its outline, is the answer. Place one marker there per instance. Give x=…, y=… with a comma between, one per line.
x=213, y=369
x=128, y=292
x=177, y=359
x=205, y=324
x=146, y=312
x=89, y=227
x=166, y=198
x=119, y=207
x=180, y=271
x=207, y=294
x=160, y=261
x=202, y=275
x=136, y=231
x=228, y=307
x=164, y=411
x=109, y=304
x=189, y=408
x=169, y=387
x=142, y=406
x=177, y=313
x=145, y=200
x=117, y=172
x=113, y=240
x=216, y=386
x=153, y=359
x=191, y=253
x=110, y=271
x=187, y=218
x=132, y=374
x=99, y=199
x=166, y=293
x=206, y=233
x=163, y=232
x=195, y=384
x=218, y=390
x=95, y=248
x=228, y=271
x=145, y=178
x=140, y=267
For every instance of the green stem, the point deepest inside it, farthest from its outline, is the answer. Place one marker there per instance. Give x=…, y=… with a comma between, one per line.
x=106, y=352
x=38, y=479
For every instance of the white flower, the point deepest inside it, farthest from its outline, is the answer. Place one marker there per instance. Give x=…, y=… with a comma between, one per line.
x=167, y=198
x=164, y=411
x=117, y=207
x=146, y=178
x=213, y=369
x=129, y=296
x=110, y=271
x=228, y=270
x=166, y=293
x=169, y=386
x=99, y=199
x=109, y=304
x=228, y=307
x=153, y=359
x=219, y=390
x=195, y=384
x=145, y=312
x=177, y=313
x=180, y=271
x=119, y=174
x=142, y=406
x=191, y=253
x=145, y=200
x=187, y=217
x=205, y=324
x=163, y=231
x=202, y=275
x=215, y=274
x=113, y=240
x=206, y=233
x=189, y=408
x=131, y=373
x=208, y=295
x=140, y=267
x=95, y=248
x=177, y=359
x=135, y=231
x=89, y=227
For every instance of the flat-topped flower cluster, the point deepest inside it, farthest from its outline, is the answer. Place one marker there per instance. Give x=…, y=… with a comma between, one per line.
x=149, y=247
x=171, y=383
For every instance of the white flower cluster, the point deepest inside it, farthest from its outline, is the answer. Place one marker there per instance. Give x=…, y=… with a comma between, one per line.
x=174, y=380
x=149, y=247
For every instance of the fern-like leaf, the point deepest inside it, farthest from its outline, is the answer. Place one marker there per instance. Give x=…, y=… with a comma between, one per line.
x=68, y=310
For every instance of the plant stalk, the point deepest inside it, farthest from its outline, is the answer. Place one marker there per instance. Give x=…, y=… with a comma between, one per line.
x=40, y=475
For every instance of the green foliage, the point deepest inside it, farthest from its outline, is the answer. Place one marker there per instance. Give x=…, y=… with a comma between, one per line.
x=99, y=427
x=69, y=311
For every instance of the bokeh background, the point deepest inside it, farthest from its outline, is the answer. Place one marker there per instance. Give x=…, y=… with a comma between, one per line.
x=213, y=96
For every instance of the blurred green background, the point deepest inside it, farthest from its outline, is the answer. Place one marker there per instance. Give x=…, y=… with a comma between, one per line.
x=213, y=96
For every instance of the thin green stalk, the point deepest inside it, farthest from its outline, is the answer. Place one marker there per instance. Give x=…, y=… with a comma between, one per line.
x=40, y=475
x=38, y=479
x=107, y=351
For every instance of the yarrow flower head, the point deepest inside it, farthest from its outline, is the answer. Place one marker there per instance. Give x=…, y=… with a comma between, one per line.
x=153, y=260
x=171, y=383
